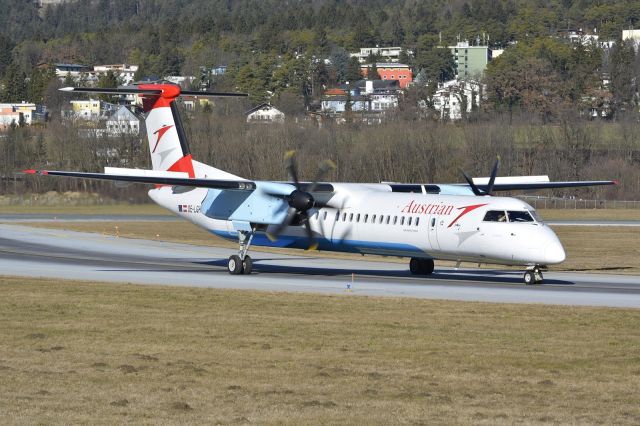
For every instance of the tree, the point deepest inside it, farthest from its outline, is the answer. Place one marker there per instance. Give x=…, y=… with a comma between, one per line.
x=6, y=46
x=621, y=69
x=437, y=63
x=353, y=72
x=38, y=82
x=15, y=88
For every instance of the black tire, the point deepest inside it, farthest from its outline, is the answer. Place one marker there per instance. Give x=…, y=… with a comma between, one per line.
x=529, y=278
x=427, y=266
x=415, y=266
x=234, y=265
x=247, y=265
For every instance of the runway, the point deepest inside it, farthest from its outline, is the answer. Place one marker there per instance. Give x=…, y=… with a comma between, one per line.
x=38, y=252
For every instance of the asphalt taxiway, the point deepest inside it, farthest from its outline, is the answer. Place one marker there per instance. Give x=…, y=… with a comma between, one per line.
x=39, y=252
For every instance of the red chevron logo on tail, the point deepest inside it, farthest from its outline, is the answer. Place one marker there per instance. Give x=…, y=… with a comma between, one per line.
x=160, y=132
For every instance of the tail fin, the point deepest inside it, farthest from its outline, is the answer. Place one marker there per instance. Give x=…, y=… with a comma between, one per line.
x=167, y=141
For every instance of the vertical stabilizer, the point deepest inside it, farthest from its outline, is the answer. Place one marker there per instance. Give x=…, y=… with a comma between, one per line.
x=167, y=141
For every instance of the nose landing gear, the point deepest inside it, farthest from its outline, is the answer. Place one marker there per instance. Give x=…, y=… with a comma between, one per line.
x=533, y=275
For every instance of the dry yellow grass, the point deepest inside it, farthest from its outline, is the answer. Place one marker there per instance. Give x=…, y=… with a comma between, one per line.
x=74, y=352
x=589, y=248
x=590, y=214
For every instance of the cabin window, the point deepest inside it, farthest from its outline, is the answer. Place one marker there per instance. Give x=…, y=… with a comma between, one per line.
x=344, y=217
x=324, y=216
x=519, y=216
x=366, y=218
x=388, y=219
x=395, y=220
x=402, y=220
x=373, y=219
x=433, y=222
x=350, y=217
x=381, y=219
x=358, y=217
x=417, y=221
x=495, y=216
x=337, y=216
x=409, y=221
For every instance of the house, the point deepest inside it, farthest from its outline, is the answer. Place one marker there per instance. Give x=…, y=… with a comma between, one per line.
x=264, y=113
x=190, y=102
x=122, y=122
x=73, y=70
x=374, y=96
x=633, y=35
x=124, y=72
x=388, y=54
x=23, y=112
x=390, y=71
x=455, y=96
x=92, y=109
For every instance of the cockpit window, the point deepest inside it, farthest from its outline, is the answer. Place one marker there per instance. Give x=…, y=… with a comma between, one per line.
x=536, y=216
x=495, y=216
x=520, y=216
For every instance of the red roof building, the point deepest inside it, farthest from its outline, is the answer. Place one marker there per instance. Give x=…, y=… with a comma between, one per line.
x=391, y=71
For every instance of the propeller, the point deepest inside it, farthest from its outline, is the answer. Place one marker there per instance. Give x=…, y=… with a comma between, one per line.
x=492, y=180
x=301, y=201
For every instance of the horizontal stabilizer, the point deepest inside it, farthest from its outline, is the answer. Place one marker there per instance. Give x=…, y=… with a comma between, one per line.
x=241, y=185
x=128, y=90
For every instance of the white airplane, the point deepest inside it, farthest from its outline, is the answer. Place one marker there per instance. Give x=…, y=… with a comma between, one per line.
x=423, y=222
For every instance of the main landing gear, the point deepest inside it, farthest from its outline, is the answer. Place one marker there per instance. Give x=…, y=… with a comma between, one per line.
x=533, y=275
x=419, y=266
x=241, y=263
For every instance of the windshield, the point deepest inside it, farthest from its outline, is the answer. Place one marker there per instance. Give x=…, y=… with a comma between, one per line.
x=536, y=216
x=520, y=216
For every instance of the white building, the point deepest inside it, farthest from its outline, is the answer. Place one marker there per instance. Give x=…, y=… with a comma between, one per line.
x=265, y=113
x=453, y=95
x=25, y=112
x=124, y=72
x=386, y=54
x=633, y=35
x=122, y=122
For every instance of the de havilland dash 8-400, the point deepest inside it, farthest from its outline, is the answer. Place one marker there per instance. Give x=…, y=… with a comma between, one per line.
x=423, y=222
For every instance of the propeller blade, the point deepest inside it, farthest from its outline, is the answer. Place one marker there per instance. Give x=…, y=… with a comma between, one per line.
x=473, y=186
x=325, y=167
x=291, y=168
x=273, y=236
x=313, y=243
x=492, y=179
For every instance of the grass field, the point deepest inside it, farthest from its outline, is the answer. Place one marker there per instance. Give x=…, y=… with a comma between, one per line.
x=73, y=352
x=599, y=249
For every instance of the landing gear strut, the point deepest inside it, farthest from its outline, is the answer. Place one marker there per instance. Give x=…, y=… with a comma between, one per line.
x=533, y=275
x=241, y=263
x=419, y=266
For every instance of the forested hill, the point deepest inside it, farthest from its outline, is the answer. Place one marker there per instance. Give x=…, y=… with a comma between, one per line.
x=177, y=36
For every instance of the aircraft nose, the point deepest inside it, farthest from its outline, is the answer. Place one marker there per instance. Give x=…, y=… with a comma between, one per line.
x=554, y=253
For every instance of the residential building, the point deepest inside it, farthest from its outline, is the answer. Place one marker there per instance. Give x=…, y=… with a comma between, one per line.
x=23, y=112
x=390, y=71
x=92, y=109
x=122, y=122
x=73, y=70
x=180, y=80
x=374, y=96
x=470, y=61
x=264, y=113
x=454, y=96
x=388, y=54
x=124, y=72
x=633, y=35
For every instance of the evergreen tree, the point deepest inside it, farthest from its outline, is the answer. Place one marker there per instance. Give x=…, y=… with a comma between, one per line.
x=353, y=72
x=15, y=88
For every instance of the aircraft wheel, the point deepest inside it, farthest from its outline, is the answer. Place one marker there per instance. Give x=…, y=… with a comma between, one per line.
x=415, y=266
x=427, y=266
x=234, y=265
x=247, y=265
x=529, y=278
